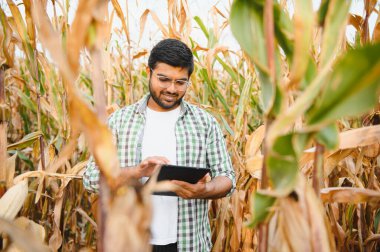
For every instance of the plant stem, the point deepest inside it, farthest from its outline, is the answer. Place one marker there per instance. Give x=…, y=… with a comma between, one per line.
x=3, y=133
x=269, y=38
x=318, y=169
x=41, y=140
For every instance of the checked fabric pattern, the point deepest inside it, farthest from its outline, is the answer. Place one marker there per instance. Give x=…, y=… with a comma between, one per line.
x=200, y=143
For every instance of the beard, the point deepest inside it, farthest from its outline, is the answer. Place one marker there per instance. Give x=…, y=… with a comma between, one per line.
x=161, y=102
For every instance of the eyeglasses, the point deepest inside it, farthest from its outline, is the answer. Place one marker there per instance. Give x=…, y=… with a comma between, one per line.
x=165, y=82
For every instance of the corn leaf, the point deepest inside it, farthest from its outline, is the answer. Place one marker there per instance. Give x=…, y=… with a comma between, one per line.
x=284, y=30
x=247, y=27
x=202, y=26
x=329, y=136
x=303, y=26
x=12, y=201
x=25, y=141
x=347, y=92
x=350, y=195
x=22, y=239
x=282, y=165
x=261, y=208
x=334, y=31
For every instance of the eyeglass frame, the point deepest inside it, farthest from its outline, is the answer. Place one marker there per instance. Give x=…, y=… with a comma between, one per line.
x=186, y=83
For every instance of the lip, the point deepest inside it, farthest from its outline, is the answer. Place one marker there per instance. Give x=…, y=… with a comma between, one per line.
x=169, y=98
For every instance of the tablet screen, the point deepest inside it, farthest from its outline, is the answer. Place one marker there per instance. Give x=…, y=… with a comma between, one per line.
x=184, y=173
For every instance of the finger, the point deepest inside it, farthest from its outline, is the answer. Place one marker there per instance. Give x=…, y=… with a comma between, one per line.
x=181, y=183
x=203, y=179
x=157, y=160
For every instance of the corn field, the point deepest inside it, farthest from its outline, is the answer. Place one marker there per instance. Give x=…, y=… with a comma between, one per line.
x=298, y=103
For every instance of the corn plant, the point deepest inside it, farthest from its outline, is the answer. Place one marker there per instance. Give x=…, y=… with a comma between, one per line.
x=301, y=110
x=59, y=81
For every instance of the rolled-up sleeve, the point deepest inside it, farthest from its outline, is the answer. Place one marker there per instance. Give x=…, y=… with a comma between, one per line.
x=91, y=176
x=218, y=158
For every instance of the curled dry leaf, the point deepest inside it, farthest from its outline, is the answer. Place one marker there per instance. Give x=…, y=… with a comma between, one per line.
x=359, y=137
x=210, y=57
x=254, y=141
x=36, y=231
x=128, y=213
x=12, y=201
x=10, y=169
x=155, y=19
x=23, y=238
x=350, y=195
x=140, y=54
x=371, y=151
x=302, y=222
x=254, y=165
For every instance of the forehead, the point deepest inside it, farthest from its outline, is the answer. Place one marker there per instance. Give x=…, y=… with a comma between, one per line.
x=171, y=71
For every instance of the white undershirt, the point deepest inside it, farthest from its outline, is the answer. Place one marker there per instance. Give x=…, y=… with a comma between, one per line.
x=159, y=140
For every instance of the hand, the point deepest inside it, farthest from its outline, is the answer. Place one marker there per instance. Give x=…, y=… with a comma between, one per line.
x=146, y=168
x=192, y=191
x=149, y=165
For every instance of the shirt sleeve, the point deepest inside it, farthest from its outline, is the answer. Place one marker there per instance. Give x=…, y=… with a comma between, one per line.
x=217, y=157
x=91, y=174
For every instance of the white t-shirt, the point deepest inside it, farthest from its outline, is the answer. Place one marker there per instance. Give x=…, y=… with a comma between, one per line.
x=159, y=140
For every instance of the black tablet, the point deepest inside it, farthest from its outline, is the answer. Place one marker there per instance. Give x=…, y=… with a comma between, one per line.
x=184, y=173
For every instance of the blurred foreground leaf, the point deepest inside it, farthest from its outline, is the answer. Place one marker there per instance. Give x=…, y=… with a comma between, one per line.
x=348, y=92
x=261, y=208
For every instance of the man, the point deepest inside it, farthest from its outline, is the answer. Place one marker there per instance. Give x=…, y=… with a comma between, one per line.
x=163, y=129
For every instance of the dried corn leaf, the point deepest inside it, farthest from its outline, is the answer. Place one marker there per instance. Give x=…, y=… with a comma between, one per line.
x=254, y=141
x=25, y=141
x=254, y=165
x=12, y=201
x=350, y=195
x=359, y=137
x=22, y=238
x=35, y=230
x=10, y=169
x=120, y=14
x=78, y=33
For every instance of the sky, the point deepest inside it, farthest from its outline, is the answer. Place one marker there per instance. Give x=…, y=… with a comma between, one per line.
x=202, y=9
x=199, y=8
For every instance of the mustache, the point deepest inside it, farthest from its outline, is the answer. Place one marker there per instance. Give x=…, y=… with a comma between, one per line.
x=170, y=94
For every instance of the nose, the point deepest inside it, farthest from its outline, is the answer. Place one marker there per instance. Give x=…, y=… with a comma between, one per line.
x=172, y=88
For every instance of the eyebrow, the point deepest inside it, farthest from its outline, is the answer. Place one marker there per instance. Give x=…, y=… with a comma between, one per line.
x=163, y=75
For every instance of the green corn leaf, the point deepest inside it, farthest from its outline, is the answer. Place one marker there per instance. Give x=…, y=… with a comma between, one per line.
x=334, y=29
x=27, y=101
x=329, y=136
x=352, y=89
x=282, y=165
x=322, y=12
x=303, y=27
x=227, y=126
x=243, y=104
x=377, y=221
x=310, y=73
x=202, y=26
x=284, y=30
x=229, y=70
x=261, y=208
x=247, y=27
x=25, y=141
x=300, y=141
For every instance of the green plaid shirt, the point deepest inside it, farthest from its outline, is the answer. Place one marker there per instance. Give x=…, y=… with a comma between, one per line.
x=200, y=143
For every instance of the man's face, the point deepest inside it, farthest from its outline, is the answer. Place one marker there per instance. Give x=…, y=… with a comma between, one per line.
x=165, y=87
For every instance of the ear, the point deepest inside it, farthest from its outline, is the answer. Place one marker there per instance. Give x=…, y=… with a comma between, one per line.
x=147, y=69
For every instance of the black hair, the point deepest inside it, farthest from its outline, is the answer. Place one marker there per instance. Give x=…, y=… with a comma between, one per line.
x=172, y=52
